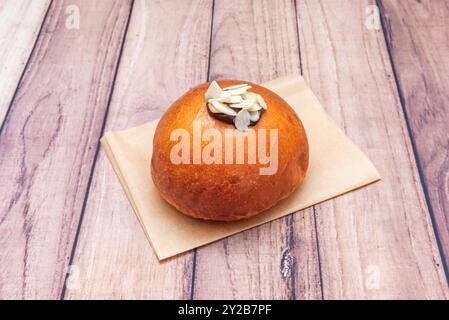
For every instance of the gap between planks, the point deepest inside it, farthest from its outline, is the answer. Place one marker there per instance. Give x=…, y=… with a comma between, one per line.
x=386, y=28
x=75, y=241
x=5, y=102
x=123, y=265
x=37, y=253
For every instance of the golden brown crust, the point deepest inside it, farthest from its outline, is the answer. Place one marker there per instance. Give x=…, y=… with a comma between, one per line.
x=228, y=192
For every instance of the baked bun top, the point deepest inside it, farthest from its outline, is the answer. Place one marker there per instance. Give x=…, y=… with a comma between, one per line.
x=222, y=190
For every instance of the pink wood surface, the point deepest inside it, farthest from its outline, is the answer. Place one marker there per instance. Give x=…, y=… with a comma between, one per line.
x=113, y=256
x=377, y=242
x=63, y=214
x=48, y=142
x=417, y=34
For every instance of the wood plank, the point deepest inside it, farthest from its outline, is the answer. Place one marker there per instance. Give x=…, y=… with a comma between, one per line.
x=166, y=52
x=21, y=22
x=278, y=260
x=48, y=144
x=377, y=242
x=417, y=33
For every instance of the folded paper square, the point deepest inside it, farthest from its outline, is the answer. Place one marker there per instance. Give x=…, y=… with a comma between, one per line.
x=336, y=167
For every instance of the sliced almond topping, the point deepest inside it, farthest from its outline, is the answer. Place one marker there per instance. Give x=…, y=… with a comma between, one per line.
x=239, y=91
x=221, y=107
x=225, y=94
x=225, y=100
x=261, y=101
x=249, y=100
x=242, y=120
x=245, y=104
x=257, y=98
x=235, y=87
x=254, y=116
x=213, y=92
x=255, y=107
x=250, y=97
x=212, y=108
x=229, y=100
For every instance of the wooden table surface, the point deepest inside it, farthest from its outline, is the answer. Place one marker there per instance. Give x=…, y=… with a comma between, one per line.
x=71, y=70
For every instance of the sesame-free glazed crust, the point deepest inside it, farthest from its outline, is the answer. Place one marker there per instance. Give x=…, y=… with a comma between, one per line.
x=228, y=192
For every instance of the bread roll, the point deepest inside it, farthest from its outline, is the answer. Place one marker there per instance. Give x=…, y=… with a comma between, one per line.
x=227, y=191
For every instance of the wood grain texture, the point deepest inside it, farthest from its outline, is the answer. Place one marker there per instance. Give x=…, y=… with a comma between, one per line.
x=258, y=41
x=377, y=242
x=418, y=37
x=20, y=22
x=48, y=143
x=166, y=53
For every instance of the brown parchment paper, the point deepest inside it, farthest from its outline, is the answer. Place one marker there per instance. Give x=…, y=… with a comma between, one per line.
x=336, y=167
